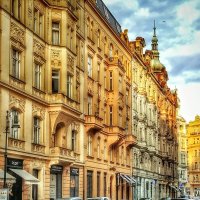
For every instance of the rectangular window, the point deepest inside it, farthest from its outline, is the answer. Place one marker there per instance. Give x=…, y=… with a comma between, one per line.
x=73, y=140
x=89, y=184
x=120, y=117
x=98, y=72
x=111, y=81
x=89, y=66
x=89, y=105
x=55, y=81
x=36, y=130
x=15, y=124
x=69, y=85
x=98, y=184
x=89, y=145
x=35, y=20
x=55, y=33
x=37, y=79
x=105, y=185
x=111, y=116
x=16, y=8
x=120, y=83
x=74, y=182
x=35, y=186
x=16, y=63
x=38, y=22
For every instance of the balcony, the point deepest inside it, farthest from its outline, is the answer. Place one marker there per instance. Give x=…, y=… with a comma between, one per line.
x=94, y=123
x=130, y=140
x=62, y=99
x=64, y=155
x=38, y=148
x=16, y=143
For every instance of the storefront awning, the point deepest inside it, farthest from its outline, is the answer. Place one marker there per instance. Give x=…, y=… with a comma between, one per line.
x=9, y=178
x=29, y=178
x=128, y=179
x=174, y=187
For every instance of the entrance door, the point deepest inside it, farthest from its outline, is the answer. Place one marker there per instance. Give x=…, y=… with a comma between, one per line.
x=16, y=193
x=53, y=186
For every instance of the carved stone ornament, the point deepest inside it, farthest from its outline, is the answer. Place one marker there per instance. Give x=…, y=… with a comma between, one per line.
x=17, y=102
x=55, y=57
x=39, y=51
x=70, y=63
x=17, y=34
x=39, y=111
x=39, y=6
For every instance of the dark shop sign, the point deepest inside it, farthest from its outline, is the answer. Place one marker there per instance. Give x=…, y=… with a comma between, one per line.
x=14, y=163
x=56, y=168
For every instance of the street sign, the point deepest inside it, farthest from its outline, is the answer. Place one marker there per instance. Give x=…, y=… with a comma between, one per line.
x=4, y=194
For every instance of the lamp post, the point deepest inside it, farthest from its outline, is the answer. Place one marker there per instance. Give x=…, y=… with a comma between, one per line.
x=15, y=125
x=5, y=152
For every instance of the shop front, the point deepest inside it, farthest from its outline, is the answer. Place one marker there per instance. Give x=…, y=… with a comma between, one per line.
x=15, y=168
x=56, y=181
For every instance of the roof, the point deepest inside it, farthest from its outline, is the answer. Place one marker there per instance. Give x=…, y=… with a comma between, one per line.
x=104, y=11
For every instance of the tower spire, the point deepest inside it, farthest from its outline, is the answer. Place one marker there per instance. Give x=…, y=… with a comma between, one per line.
x=154, y=28
x=154, y=40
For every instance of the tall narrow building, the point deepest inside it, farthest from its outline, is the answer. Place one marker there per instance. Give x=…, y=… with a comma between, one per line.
x=193, y=135
x=154, y=124
x=108, y=137
x=41, y=84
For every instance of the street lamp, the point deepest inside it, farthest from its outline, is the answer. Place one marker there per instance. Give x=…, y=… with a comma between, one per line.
x=14, y=125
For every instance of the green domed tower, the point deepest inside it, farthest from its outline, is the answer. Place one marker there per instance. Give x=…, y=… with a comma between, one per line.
x=155, y=63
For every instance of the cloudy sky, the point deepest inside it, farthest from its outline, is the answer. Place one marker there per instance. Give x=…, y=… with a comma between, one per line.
x=178, y=32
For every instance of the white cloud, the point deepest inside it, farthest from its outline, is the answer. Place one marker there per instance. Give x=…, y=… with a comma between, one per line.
x=143, y=12
x=130, y=4
x=189, y=100
x=187, y=12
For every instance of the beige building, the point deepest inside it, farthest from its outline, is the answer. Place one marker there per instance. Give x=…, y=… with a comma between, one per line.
x=84, y=105
x=182, y=153
x=41, y=86
x=108, y=136
x=193, y=136
x=155, y=156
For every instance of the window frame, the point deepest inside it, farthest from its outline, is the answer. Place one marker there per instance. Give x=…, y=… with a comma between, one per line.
x=55, y=30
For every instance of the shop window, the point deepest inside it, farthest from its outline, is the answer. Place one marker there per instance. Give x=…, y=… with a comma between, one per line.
x=74, y=182
x=35, y=186
x=89, y=184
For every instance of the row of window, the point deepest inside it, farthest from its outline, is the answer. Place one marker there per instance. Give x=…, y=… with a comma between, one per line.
x=38, y=75
x=90, y=185
x=15, y=125
x=37, y=134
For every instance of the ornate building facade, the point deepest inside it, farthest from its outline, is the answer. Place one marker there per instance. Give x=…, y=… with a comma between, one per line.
x=108, y=136
x=88, y=114
x=154, y=124
x=193, y=136
x=41, y=87
x=182, y=153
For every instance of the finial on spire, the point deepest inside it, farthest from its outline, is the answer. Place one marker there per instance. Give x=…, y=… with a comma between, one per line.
x=154, y=28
